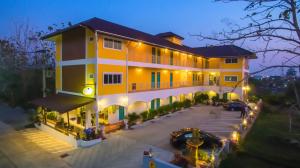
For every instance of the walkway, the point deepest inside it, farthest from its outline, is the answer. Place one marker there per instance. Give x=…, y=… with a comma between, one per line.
x=18, y=151
x=46, y=141
x=116, y=152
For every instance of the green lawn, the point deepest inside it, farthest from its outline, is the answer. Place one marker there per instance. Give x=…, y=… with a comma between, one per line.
x=266, y=145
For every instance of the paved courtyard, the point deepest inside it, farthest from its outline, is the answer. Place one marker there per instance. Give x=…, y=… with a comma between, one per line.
x=124, y=148
x=208, y=118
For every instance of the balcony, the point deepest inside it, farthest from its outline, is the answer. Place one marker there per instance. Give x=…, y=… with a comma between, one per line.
x=139, y=87
x=187, y=61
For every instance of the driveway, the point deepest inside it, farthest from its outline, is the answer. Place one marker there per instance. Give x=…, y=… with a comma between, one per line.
x=208, y=118
x=124, y=148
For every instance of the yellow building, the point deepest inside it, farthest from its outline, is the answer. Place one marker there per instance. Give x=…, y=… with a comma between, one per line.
x=119, y=70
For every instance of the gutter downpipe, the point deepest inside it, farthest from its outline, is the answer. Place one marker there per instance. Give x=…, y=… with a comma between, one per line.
x=127, y=99
x=96, y=84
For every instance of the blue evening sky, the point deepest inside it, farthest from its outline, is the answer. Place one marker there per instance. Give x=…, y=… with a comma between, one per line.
x=183, y=17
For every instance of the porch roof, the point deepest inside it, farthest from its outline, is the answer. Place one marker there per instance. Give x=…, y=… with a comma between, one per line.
x=62, y=102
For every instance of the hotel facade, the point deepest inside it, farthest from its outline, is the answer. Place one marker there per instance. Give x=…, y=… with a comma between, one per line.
x=105, y=71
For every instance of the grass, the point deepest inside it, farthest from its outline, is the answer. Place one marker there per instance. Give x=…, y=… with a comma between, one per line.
x=266, y=145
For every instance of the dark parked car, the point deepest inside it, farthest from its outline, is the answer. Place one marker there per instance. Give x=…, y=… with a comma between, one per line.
x=179, y=138
x=234, y=106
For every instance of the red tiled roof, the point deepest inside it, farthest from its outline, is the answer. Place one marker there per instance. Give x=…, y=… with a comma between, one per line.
x=169, y=34
x=113, y=29
x=224, y=51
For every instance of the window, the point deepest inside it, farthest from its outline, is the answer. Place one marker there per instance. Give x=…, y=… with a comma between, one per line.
x=114, y=44
x=231, y=60
x=171, y=58
x=153, y=55
x=231, y=78
x=112, y=79
x=206, y=64
x=158, y=56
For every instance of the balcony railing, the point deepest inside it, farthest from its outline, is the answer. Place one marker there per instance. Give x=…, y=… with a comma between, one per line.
x=137, y=87
x=165, y=60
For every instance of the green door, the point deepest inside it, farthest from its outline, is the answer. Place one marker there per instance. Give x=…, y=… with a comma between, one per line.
x=152, y=104
x=152, y=80
x=158, y=80
x=170, y=100
x=157, y=103
x=121, y=113
x=171, y=79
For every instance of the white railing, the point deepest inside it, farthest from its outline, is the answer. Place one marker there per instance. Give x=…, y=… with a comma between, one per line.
x=136, y=87
x=165, y=60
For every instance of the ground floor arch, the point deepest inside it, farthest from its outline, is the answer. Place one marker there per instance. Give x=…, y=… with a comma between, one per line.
x=211, y=93
x=112, y=114
x=138, y=107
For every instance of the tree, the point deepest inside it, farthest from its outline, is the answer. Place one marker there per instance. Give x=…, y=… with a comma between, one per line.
x=22, y=56
x=270, y=22
x=291, y=72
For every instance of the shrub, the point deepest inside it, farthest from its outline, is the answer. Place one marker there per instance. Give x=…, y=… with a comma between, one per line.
x=201, y=98
x=132, y=118
x=51, y=116
x=160, y=110
x=253, y=99
x=152, y=114
x=216, y=98
x=187, y=103
x=176, y=106
x=163, y=110
x=144, y=115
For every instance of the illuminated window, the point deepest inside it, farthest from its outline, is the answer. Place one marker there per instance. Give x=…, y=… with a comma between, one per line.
x=231, y=78
x=231, y=60
x=112, y=78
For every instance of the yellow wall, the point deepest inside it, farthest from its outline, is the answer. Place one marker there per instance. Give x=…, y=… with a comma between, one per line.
x=90, y=44
x=238, y=65
x=140, y=52
x=58, y=48
x=214, y=63
x=109, y=53
x=142, y=78
x=58, y=78
x=230, y=84
x=113, y=88
x=90, y=69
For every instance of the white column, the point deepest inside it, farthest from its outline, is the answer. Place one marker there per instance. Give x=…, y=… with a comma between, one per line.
x=96, y=116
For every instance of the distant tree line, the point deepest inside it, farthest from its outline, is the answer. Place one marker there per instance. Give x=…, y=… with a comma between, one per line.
x=23, y=55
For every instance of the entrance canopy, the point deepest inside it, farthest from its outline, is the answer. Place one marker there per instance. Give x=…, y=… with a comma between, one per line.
x=62, y=102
